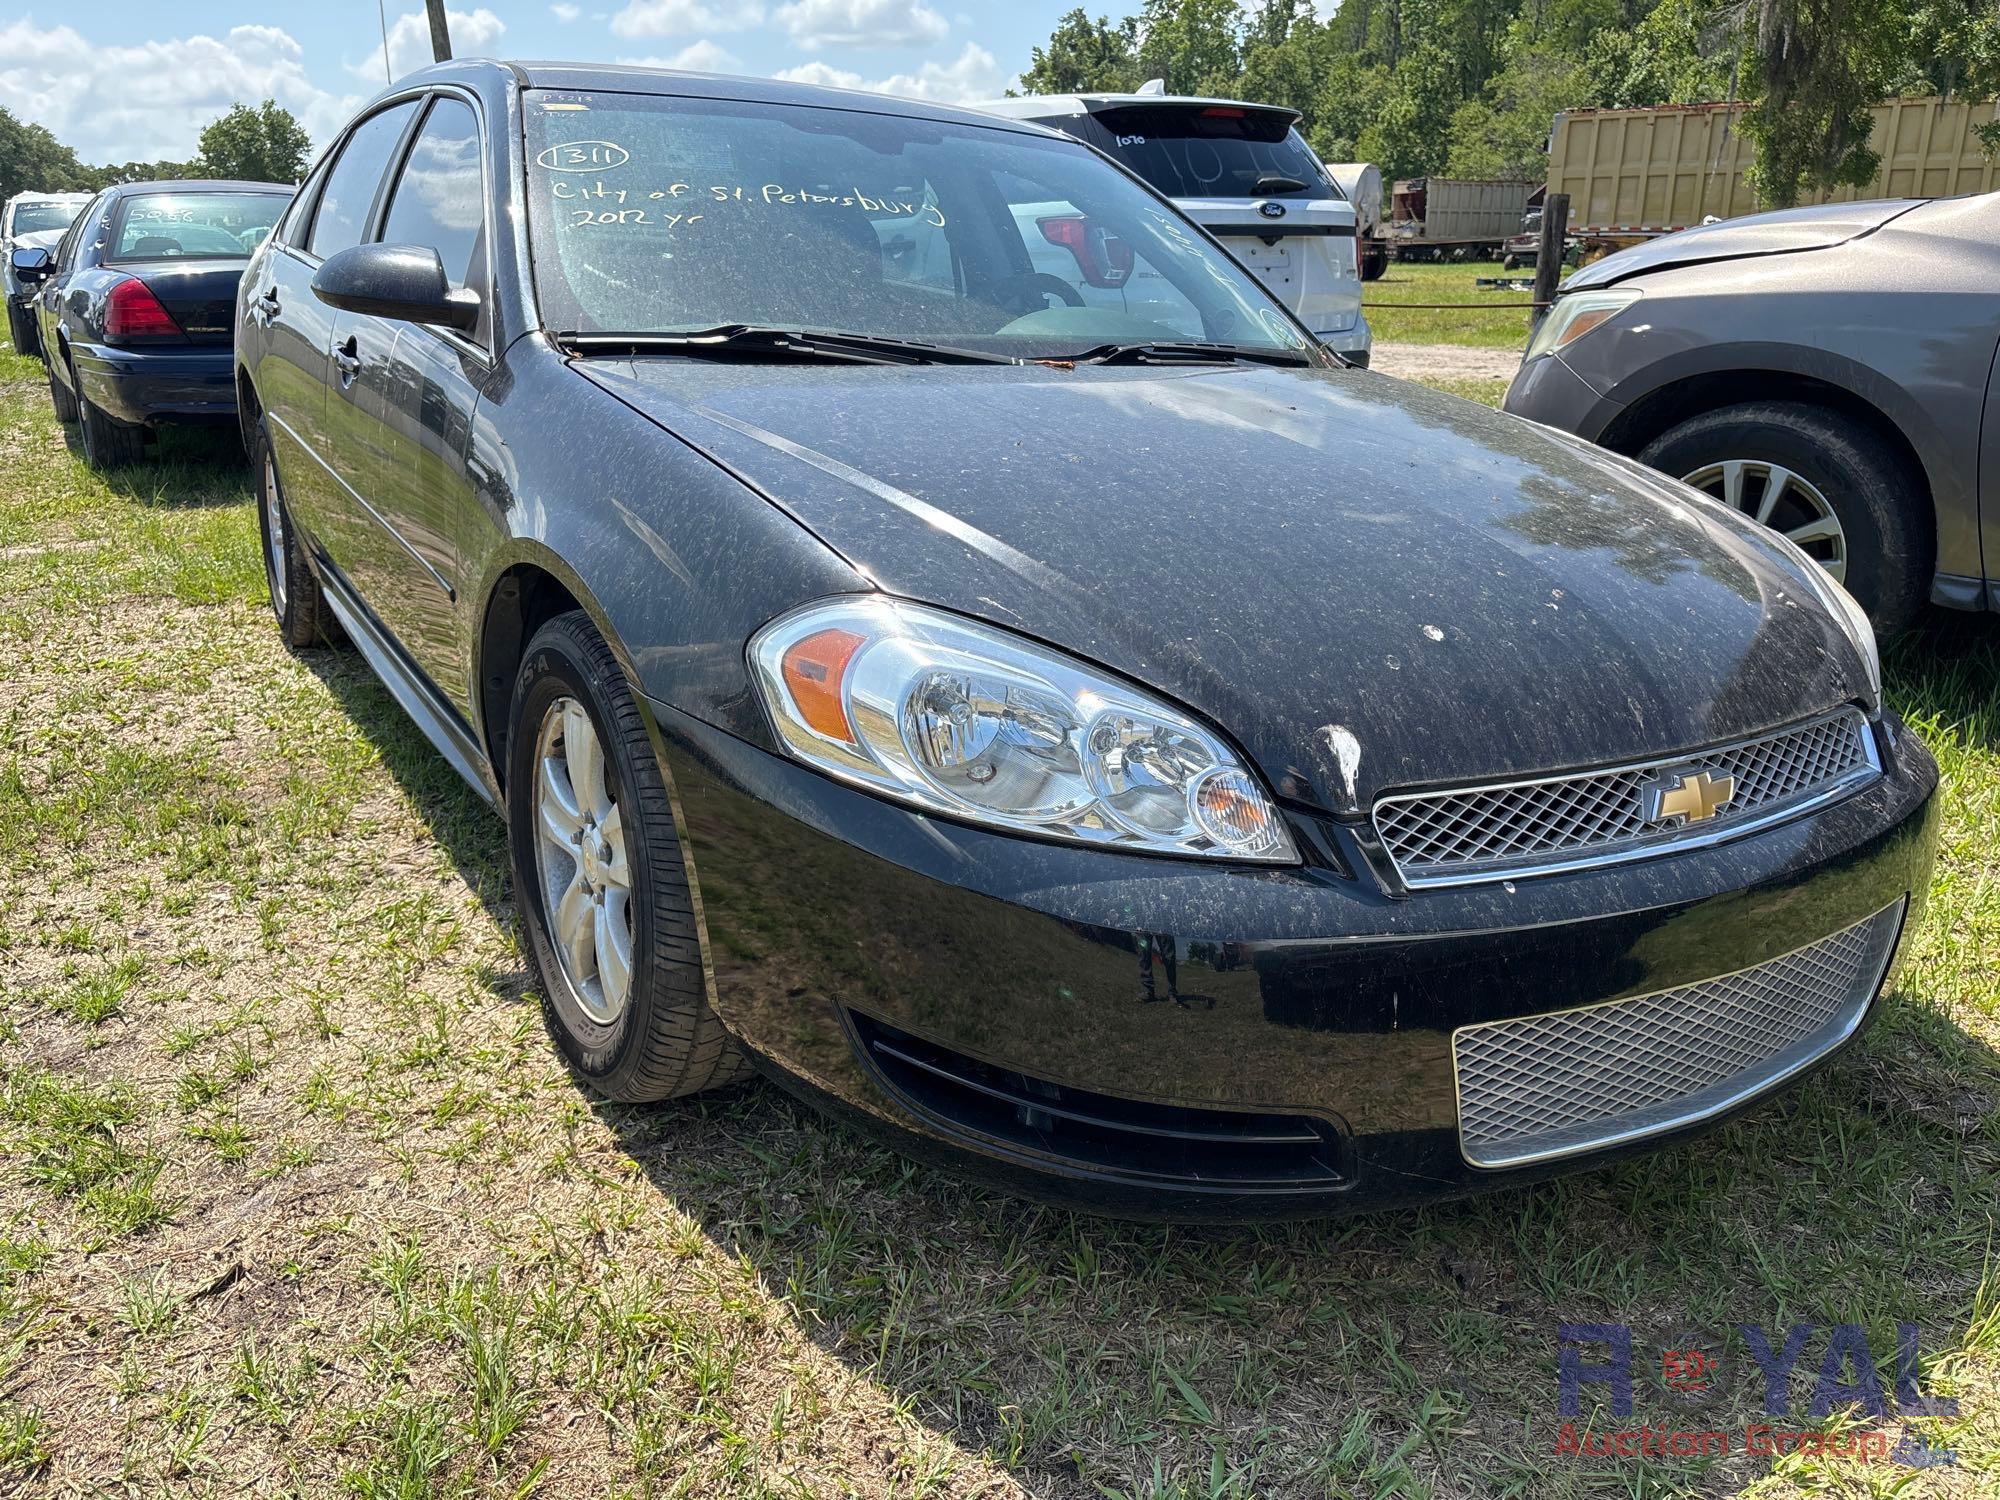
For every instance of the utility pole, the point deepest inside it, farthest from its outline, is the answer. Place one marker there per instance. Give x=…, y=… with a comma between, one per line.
x=440, y=33
x=1549, y=257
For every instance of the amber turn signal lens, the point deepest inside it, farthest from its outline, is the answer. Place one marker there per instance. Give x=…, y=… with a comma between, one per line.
x=813, y=670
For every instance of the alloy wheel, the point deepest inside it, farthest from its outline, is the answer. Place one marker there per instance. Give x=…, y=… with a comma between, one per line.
x=1786, y=501
x=582, y=862
x=274, y=536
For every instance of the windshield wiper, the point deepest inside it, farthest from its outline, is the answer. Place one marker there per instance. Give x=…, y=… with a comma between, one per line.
x=753, y=341
x=1182, y=354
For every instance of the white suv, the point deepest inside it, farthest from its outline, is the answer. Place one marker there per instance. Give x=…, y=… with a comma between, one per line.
x=1244, y=173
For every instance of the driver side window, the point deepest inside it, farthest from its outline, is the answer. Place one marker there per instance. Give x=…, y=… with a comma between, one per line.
x=438, y=199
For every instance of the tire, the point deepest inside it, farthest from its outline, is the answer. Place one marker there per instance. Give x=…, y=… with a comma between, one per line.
x=61, y=395
x=304, y=616
x=1888, y=540
x=662, y=1039
x=21, y=329
x=107, y=442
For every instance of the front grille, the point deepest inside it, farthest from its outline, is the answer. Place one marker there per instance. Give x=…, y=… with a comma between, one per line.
x=1126, y=1140
x=1565, y=822
x=1545, y=1086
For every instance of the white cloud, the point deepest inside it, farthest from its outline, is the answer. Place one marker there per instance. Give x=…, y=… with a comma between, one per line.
x=861, y=23
x=975, y=74
x=565, y=13
x=149, y=100
x=473, y=33
x=686, y=17
x=703, y=56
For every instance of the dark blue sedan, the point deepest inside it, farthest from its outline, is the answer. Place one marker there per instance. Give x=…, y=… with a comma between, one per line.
x=136, y=307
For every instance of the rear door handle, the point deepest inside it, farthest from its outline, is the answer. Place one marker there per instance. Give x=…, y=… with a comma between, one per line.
x=348, y=362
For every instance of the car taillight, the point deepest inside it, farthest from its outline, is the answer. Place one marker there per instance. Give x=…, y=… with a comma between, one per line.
x=1102, y=257
x=132, y=311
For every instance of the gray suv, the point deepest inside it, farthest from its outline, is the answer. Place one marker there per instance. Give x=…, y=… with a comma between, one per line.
x=1829, y=371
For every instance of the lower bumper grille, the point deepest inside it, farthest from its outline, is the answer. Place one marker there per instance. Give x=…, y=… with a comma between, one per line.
x=1128, y=1140
x=1538, y=1087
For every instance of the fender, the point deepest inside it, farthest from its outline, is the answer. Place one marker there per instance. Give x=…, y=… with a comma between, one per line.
x=1823, y=365
x=675, y=560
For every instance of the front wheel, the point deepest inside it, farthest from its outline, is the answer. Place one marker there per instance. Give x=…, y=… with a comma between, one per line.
x=21, y=329
x=1828, y=483
x=604, y=892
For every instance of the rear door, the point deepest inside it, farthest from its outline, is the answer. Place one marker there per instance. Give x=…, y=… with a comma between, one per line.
x=283, y=343
x=1244, y=174
x=346, y=438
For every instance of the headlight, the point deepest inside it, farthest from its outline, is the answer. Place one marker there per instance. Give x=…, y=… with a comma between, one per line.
x=1574, y=315
x=1846, y=609
x=974, y=722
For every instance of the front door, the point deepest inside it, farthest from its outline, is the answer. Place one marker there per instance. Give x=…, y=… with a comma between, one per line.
x=412, y=395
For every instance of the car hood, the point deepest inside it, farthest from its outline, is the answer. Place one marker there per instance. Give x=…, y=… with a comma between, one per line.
x=37, y=239
x=1784, y=232
x=1368, y=584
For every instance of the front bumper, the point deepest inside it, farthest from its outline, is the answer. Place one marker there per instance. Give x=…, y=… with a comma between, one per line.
x=167, y=383
x=973, y=997
x=1546, y=390
x=1355, y=344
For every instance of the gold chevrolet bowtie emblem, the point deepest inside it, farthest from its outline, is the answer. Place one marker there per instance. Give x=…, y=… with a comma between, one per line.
x=1691, y=796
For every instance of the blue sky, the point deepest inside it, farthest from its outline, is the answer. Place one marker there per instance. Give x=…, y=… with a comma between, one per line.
x=123, y=80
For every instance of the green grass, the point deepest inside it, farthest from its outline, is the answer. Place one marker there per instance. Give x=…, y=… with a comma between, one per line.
x=1487, y=320
x=296, y=1197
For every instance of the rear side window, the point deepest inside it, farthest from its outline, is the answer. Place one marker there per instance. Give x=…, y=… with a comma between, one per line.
x=438, y=199
x=169, y=226
x=291, y=229
x=92, y=212
x=350, y=186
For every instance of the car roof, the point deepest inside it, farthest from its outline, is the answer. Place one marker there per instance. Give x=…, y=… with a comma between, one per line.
x=199, y=185
x=36, y=196
x=630, y=79
x=1045, y=106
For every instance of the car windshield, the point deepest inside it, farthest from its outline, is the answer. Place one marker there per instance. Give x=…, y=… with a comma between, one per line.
x=29, y=218
x=163, y=226
x=660, y=215
x=1213, y=151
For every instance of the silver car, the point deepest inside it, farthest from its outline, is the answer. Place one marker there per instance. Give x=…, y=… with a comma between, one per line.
x=1829, y=371
x=31, y=221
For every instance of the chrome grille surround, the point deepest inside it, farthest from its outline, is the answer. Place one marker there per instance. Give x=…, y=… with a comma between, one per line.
x=1535, y=1088
x=1549, y=824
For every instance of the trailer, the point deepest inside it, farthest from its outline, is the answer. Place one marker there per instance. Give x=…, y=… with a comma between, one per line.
x=1635, y=174
x=1445, y=218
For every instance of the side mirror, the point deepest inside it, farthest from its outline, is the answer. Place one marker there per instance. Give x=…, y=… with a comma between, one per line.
x=406, y=282
x=33, y=264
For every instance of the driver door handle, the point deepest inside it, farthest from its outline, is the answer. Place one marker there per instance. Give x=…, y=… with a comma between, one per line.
x=267, y=305
x=348, y=361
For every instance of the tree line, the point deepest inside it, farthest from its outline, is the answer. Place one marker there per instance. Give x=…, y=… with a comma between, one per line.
x=1469, y=88
x=261, y=144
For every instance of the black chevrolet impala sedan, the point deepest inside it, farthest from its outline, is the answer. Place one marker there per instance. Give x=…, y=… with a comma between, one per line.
x=1099, y=741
